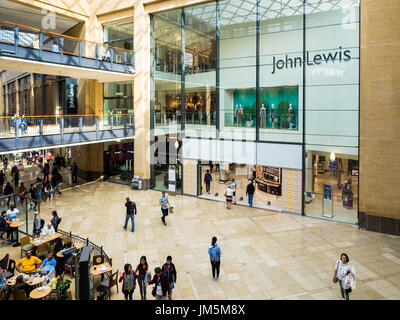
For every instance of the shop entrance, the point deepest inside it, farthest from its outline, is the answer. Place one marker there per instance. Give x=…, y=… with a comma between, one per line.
x=332, y=186
x=267, y=182
x=118, y=162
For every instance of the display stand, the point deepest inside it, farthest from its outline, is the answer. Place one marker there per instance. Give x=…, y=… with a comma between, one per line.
x=327, y=201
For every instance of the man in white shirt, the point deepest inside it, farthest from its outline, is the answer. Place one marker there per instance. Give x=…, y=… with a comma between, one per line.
x=48, y=230
x=13, y=213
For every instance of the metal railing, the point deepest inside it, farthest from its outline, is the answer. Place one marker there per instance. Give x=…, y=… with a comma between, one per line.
x=267, y=121
x=12, y=127
x=62, y=47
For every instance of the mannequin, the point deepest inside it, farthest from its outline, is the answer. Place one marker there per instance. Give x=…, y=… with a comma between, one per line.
x=235, y=116
x=262, y=116
x=240, y=115
x=273, y=115
x=291, y=116
x=347, y=194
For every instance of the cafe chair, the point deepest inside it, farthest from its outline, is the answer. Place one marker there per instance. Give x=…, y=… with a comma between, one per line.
x=67, y=239
x=19, y=295
x=4, y=262
x=69, y=295
x=110, y=282
x=42, y=250
x=10, y=269
x=52, y=248
x=70, y=268
x=99, y=259
x=26, y=245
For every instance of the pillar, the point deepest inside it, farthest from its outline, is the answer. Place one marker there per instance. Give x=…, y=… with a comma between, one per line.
x=142, y=93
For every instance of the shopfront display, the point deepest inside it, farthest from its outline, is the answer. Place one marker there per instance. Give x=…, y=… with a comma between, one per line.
x=118, y=162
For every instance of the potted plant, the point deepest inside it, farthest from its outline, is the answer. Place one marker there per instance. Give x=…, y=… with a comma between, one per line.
x=62, y=287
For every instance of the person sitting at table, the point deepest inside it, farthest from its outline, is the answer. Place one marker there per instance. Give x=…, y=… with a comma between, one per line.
x=3, y=285
x=29, y=264
x=21, y=285
x=60, y=260
x=48, y=265
x=48, y=230
x=13, y=213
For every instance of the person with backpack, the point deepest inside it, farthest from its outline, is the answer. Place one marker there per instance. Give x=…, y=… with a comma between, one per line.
x=207, y=180
x=170, y=270
x=130, y=213
x=215, y=257
x=161, y=287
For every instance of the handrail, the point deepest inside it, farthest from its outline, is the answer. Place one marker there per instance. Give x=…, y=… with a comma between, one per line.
x=71, y=115
x=64, y=35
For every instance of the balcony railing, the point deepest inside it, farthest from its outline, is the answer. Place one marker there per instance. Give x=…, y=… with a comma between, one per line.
x=36, y=131
x=36, y=44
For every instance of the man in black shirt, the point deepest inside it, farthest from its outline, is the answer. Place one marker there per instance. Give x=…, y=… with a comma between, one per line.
x=170, y=270
x=207, y=180
x=250, y=192
x=2, y=179
x=130, y=213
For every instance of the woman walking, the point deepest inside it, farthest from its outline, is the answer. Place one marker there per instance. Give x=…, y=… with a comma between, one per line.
x=141, y=273
x=164, y=203
x=228, y=196
x=215, y=257
x=129, y=281
x=342, y=268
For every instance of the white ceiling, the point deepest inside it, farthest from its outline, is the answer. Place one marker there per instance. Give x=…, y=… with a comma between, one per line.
x=17, y=13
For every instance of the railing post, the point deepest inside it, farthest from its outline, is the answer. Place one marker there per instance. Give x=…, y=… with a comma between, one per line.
x=133, y=121
x=87, y=241
x=41, y=131
x=62, y=129
x=125, y=122
x=101, y=250
x=61, y=49
x=111, y=122
x=80, y=124
x=97, y=128
x=80, y=52
x=125, y=60
x=16, y=39
x=16, y=135
x=96, y=52
x=111, y=57
x=26, y=211
x=40, y=45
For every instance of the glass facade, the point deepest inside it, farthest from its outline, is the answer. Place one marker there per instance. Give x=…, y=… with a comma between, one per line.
x=272, y=71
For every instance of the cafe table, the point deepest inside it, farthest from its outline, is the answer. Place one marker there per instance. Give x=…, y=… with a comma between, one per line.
x=45, y=239
x=15, y=224
x=77, y=245
x=40, y=292
x=32, y=280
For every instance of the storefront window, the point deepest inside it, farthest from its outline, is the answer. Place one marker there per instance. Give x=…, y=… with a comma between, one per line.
x=12, y=108
x=25, y=95
x=119, y=34
x=118, y=162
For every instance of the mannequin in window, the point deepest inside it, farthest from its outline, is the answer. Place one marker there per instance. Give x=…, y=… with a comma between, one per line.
x=263, y=113
x=235, y=115
x=273, y=115
x=240, y=115
x=347, y=194
x=290, y=116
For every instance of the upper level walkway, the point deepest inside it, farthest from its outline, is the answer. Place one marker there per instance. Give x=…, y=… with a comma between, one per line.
x=48, y=131
x=27, y=49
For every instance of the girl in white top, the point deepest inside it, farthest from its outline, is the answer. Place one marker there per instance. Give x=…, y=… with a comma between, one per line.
x=228, y=195
x=342, y=268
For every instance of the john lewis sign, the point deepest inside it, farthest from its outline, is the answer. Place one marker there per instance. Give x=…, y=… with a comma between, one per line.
x=339, y=55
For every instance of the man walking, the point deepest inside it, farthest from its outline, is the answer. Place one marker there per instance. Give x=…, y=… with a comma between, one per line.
x=74, y=171
x=250, y=192
x=164, y=206
x=170, y=270
x=130, y=213
x=207, y=180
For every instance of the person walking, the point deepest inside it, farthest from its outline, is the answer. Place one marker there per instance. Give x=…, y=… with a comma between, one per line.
x=5, y=163
x=128, y=279
x=233, y=186
x=2, y=179
x=46, y=172
x=228, y=196
x=207, y=180
x=250, y=192
x=15, y=174
x=161, y=287
x=55, y=221
x=130, y=213
x=142, y=275
x=342, y=267
x=170, y=270
x=215, y=257
x=164, y=206
x=8, y=191
x=74, y=172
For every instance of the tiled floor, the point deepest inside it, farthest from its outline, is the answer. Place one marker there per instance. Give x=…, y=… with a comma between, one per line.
x=265, y=255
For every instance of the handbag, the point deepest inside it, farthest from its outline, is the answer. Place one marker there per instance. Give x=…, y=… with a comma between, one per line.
x=349, y=281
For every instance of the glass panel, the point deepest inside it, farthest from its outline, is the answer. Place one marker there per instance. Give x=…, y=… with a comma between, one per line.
x=281, y=71
x=237, y=69
x=119, y=34
x=200, y=68
x=166, y=75
x=332, y=109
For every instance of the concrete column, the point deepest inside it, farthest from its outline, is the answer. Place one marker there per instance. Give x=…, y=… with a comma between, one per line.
x=2, y=106
x=142, y=93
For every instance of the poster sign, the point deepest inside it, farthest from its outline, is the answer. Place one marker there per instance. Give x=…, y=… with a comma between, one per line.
x=71, y=87
x=327, y=194
x=171, y=180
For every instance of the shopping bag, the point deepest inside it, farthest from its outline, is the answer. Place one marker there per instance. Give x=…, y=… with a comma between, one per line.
x=349, y=281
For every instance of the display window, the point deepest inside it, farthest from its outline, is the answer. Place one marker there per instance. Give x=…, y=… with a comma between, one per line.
x=118, y=162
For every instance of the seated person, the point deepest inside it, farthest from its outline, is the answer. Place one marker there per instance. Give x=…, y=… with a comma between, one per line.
x=48, y=230
x=29, y=264
x=13, y=213
x=48, y=265
x=21, y=285
x=67, y=258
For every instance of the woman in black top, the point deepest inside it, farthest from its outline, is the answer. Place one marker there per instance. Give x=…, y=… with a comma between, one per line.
x=55, y=220
x=7, y=191
x=142, y=267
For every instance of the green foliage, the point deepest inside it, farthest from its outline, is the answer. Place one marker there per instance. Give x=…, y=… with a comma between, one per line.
x=62, y=288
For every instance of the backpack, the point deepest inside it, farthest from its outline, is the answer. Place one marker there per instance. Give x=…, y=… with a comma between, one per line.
x=130, y=208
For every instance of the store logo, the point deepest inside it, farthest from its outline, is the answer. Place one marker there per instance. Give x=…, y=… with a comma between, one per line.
x=339, y=55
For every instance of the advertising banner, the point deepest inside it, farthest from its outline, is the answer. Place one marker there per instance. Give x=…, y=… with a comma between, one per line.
x=71, y=86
